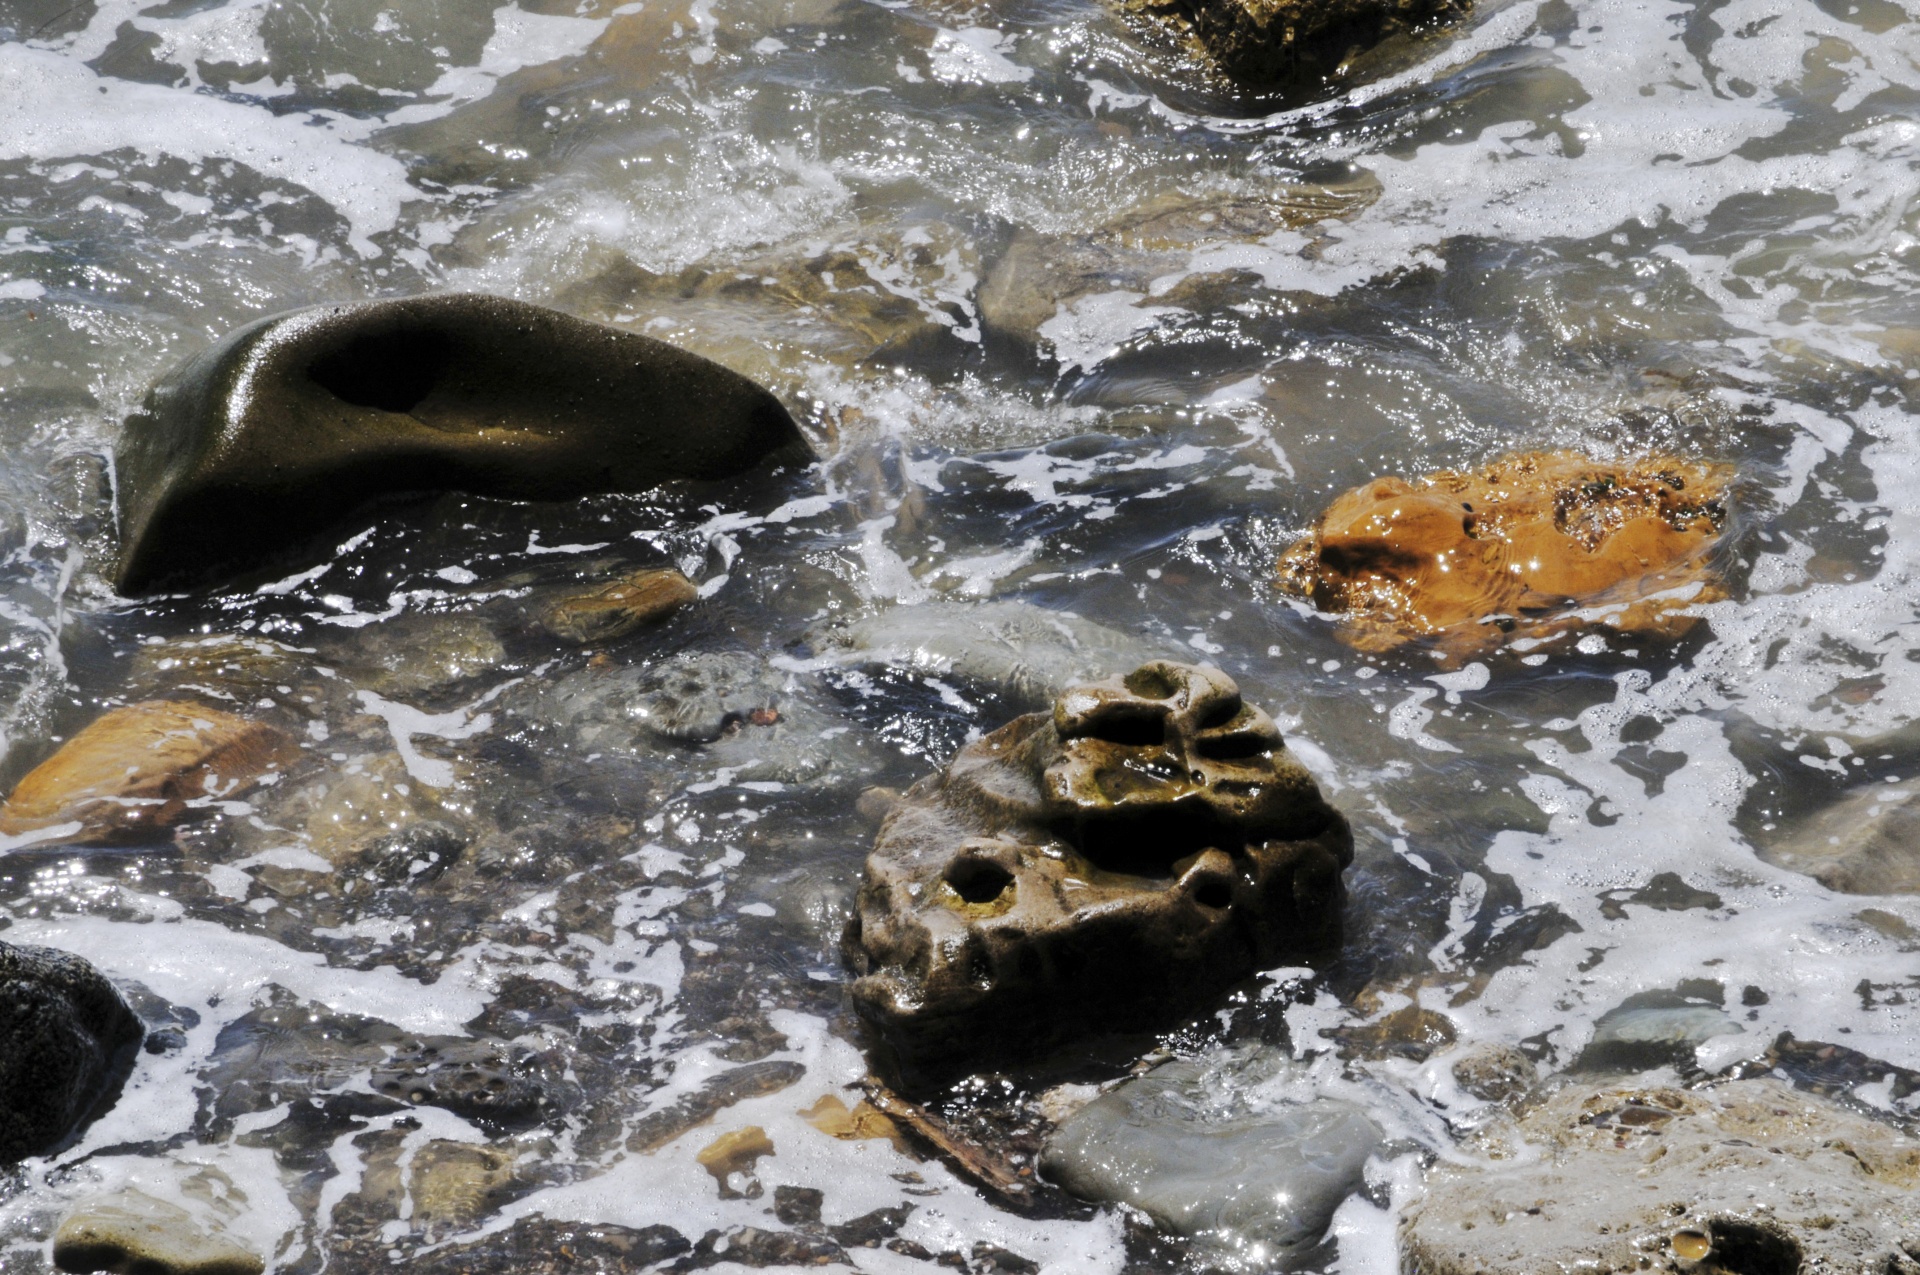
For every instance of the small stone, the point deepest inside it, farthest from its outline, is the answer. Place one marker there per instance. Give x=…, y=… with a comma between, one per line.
x=134, y=771
x=832, y=1117
x=131, y=1233
x=1494, y=1073
x=1653, y=1030
x=1104, y=867
x=294, y=423
x=1743, y=1176
x=609, y=612
x=1864, y=843
x=1410, y=1032
x=1199, y=1148
x=1525, y=550
x=798, y=1205
x=735, y=1153
x=412, y=656
x=66, y=1040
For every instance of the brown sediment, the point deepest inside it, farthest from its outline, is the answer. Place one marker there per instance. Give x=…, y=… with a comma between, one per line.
x=1534, y=545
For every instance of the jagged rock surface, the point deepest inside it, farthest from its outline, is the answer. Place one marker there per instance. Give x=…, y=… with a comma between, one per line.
x=1097, y=868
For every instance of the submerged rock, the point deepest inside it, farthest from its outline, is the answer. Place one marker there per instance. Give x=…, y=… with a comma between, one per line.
x=608, y=612
x=1106, y=866
x=295, y=422
x=66, y=1039
x=417, y=655
x=131, y=1233
x=1530, y=548
x=1027, y=653
x=1250, y=1181
x=135, y=771
x=1864, y=843
x=1746, y=1176
x=1041, y=284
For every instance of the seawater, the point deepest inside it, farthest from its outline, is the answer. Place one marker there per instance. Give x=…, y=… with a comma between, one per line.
x=1622, y=225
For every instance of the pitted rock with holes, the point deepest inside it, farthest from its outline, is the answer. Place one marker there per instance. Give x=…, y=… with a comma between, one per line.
x=1107, y=866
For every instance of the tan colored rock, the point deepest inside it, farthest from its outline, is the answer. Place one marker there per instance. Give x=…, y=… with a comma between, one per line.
x=608, y=612
x=135, y=770
x=367, y=799
x=735, y=1152
x=862, y=1122
x=1745, y=1177
x=132, y=1233
x=1518, y=549
x=1098, y=868
x=1864, y=843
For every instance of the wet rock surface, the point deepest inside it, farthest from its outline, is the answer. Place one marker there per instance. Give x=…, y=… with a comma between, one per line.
x=1867, y=842
x=1280, y=43
x=608, y=612
x=66, y=1039
x=1529, y=549
x=1216, y=1149
x=295, y=422
x=1096, y=868
x=1740, y=1176
x=132, y=1233
x=135, y=771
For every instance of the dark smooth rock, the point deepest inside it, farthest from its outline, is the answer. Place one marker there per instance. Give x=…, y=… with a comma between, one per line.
x=66, y=1041
x=293, y=423
x=1109, y=866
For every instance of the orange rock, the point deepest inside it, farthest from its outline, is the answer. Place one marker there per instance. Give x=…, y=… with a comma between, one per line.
x=1529, y=546
x=134, y=770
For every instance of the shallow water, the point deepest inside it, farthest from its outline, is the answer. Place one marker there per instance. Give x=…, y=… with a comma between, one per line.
x=1617, y=224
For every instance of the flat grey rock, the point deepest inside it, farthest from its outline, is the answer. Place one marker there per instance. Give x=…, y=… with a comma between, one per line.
x=1253, y=1182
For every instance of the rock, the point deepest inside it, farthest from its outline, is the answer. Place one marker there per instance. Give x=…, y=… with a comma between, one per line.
x=1525, y=550
x=1253, y=1182
x=418, y=655
x=66, y=1042
x=1024, y=652
x=358, y=809
x=538, y=1246
x=1041, y=279
x=135, y=771
x=131, y=1233
x=733, y=707
x=482, y=1081
x=295, y=422
x=608, y=612
x=1744, y=1177
x=1109, y=865
x=735, y=1154
x=1864, y=843
x=864, y=1121
x=454, y=1184
x=226, y=666
x=1410, y=1032
x=1654, y=1029
x=755, y=1080
x=1279, y=43
x=1494, y=1073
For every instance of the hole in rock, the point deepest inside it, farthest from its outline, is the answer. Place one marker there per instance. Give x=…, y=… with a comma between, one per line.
x=1233, y=747
x=1136, y=729
x=1747, y=1248
x=1213, y=894
x=978, y=880
x=1150, y=683
x=1147, y=843
x=1220, y=714
x=391, y=371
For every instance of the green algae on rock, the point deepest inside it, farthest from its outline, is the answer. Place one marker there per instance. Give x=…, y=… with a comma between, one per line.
x=296, y=421
x=1103, y=867
x=65, y=1037
x=1744, y=1175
